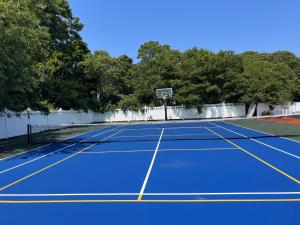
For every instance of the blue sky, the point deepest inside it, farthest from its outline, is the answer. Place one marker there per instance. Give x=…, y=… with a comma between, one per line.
x=121, y=26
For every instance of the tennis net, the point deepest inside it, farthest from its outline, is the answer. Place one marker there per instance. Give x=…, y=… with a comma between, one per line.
x=245, y=128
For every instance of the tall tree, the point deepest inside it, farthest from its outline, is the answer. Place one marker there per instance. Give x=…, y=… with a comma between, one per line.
x=23, y=44
x=267, y=82
x=156, y=69
x=109, y=78
x=64, y=84
x=205, y=77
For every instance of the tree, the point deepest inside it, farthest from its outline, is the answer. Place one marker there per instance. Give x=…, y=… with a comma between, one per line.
x=64, y=85
x=97, y=68
x=205, y=77
x=43, y=36
x=109, y=79
x=156, y=69
x=23, y=44
x=265, y=82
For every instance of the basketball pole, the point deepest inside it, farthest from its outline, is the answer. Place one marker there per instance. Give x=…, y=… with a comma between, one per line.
x=164, y=94
x=165, y=107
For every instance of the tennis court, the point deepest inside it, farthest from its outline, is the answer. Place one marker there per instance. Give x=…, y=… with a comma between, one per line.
x=213, y=172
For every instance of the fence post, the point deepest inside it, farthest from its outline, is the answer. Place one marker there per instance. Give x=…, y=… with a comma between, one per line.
x=28, y=111
x=223, y=109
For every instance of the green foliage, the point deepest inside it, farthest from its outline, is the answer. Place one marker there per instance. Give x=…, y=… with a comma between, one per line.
x=64, y=83
x=43, y=36
x=22, y=45
x=266, y=82
x=108, y=79
x=267, y=113
x=157, y=68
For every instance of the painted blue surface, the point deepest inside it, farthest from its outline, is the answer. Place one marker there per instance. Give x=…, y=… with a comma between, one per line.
x=111, y=146
x=287, y=145
x=181, y=167
x=282, y=143
x=55, y=148
x=214, y=171
x=152, y=214
x=172, y=131
x=88, y=173
x=182, y=144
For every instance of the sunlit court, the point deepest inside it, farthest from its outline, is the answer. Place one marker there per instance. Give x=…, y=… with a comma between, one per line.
x=170, y=166
x=149, y=112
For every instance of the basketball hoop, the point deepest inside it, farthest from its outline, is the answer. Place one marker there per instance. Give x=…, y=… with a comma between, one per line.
x=164, y=94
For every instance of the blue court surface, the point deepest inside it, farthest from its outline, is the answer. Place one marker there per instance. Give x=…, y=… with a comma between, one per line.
x=165, y=173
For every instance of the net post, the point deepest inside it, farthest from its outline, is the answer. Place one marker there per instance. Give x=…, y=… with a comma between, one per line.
x=29, y=134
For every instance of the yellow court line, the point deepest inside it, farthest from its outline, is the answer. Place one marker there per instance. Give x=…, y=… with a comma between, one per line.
x=256, y=157
x=53, y=164
x=150, y=201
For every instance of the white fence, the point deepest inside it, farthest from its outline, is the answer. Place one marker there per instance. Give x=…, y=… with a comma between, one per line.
x=15, y=124
x=174, y=113
x=291, y=108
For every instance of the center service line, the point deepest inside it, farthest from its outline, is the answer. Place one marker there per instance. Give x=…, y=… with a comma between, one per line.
x=150, y=167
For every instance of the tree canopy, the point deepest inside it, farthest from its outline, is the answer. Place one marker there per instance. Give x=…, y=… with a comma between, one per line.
x=45, y=64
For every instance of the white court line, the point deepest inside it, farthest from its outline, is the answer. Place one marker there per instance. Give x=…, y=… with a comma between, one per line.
x=151, y=194
x=34, y=149
x=167, y=128
x=198, y=149
x=260, y=142
x=117, y=151
x=166, y=135
x=261, y=132
x=195, y=127
x=160, y=150
x=150, y=167
x=61, y=149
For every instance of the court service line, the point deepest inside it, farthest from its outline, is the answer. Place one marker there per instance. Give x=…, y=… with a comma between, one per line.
x=149, y=201
x=149, y=194
x=167, y=128
x=117, y=151
x=259, y=159
x=195, y=149
x=51, y=153
x=166, y=135
x=34, y=149
x=260, y=142
x=150, y=167
x=262, y=132
x=53, y=164
x=160, y=150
